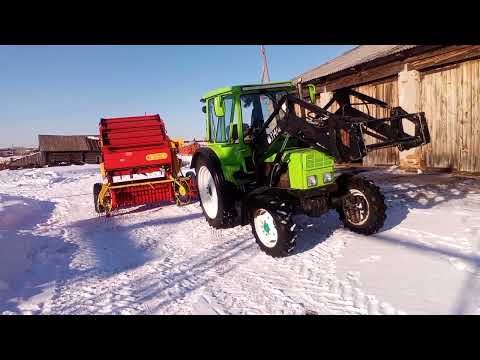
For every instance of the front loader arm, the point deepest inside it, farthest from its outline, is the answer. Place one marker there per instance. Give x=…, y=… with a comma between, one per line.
x=341, y=134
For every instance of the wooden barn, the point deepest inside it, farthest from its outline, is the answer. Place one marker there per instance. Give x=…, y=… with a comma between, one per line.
x=62, y=149
x=442, y=81
x=69, y=149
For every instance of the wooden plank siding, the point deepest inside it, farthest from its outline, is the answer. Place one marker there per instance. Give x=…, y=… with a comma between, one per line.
x=92, y=157
x=385, y=90
x=450, y=98
x=55, y=157
x=36, y=159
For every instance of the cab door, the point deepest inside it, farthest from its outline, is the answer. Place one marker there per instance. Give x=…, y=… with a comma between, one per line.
x=225, y=135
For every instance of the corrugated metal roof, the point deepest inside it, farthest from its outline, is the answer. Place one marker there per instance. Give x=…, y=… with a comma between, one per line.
x=67, y=143
x=356, y=56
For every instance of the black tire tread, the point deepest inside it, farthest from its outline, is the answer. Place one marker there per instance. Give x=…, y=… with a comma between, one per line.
x=282, y=215
x=226, y=214
x=377, y=212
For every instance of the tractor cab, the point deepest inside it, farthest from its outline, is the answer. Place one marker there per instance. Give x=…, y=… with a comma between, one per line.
x=244, y=107
x=233, y=115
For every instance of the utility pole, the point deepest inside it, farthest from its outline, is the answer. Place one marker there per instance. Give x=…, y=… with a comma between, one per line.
x=265, y=72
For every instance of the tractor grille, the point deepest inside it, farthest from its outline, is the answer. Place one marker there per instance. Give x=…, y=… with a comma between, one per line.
x=316, y=160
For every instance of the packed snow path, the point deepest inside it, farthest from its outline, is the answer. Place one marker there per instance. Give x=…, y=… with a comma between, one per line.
x=57, y=256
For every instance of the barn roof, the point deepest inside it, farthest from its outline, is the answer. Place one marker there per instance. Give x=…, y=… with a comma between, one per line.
x=67, y=143
x=354, y=57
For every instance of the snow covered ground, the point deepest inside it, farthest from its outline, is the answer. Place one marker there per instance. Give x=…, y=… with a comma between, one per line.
x=58, y=257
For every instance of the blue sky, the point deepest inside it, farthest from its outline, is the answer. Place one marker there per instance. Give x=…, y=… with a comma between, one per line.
x=67, y=89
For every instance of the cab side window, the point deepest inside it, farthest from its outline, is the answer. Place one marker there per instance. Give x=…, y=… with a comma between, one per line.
x=212, y=120
x=229, y=106
x=220, y=125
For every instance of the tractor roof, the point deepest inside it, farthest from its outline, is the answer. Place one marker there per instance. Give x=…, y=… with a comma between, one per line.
x=251, y=87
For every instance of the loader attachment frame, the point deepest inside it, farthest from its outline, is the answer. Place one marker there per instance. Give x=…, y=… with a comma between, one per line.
x=341, y=134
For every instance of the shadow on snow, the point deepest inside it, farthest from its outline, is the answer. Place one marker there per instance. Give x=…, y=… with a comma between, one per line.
x=30, y=259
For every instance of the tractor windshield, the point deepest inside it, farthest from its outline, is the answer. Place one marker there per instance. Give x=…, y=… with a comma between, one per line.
x=257, y=108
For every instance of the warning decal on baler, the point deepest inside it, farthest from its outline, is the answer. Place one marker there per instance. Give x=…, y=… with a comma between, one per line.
x=157, y=156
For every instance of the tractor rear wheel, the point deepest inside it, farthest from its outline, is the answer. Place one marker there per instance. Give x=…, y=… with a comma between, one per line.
x=215, y=199
x=272, y=227
x=363, y=207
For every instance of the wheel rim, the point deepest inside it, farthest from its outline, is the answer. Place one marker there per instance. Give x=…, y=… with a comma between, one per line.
x=356, y=207
x=208, y=192
x=265, y=228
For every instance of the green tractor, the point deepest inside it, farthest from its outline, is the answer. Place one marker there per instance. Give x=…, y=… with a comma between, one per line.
x=272, y=152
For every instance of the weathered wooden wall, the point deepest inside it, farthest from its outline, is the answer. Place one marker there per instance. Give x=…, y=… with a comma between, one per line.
x=36, y=159
x=385, y=90
x=53, y=157
x=92, y=157
x=450, y=98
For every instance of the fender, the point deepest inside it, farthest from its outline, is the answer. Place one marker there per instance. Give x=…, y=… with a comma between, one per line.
x=212, y=157
x=228, y=191
x=209, y=154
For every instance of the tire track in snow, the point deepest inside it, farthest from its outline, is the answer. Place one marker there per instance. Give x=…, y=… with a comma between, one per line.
x=301, y=287
x=194, y=268
x=259, y=284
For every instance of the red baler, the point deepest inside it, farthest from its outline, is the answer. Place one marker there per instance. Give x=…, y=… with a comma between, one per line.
x=140, y=165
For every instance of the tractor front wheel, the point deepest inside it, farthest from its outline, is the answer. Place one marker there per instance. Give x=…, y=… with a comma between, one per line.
x=272, y=227
x=363, y=207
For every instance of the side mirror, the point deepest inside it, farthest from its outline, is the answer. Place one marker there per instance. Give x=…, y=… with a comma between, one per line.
x=218, y=105
x=204, y=109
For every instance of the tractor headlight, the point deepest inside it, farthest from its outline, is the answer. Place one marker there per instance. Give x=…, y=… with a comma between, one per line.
x=311, y=180
x=327, y=177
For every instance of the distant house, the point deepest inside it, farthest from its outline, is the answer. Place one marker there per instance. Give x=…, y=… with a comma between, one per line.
x=69, y=149
x=62, y=150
